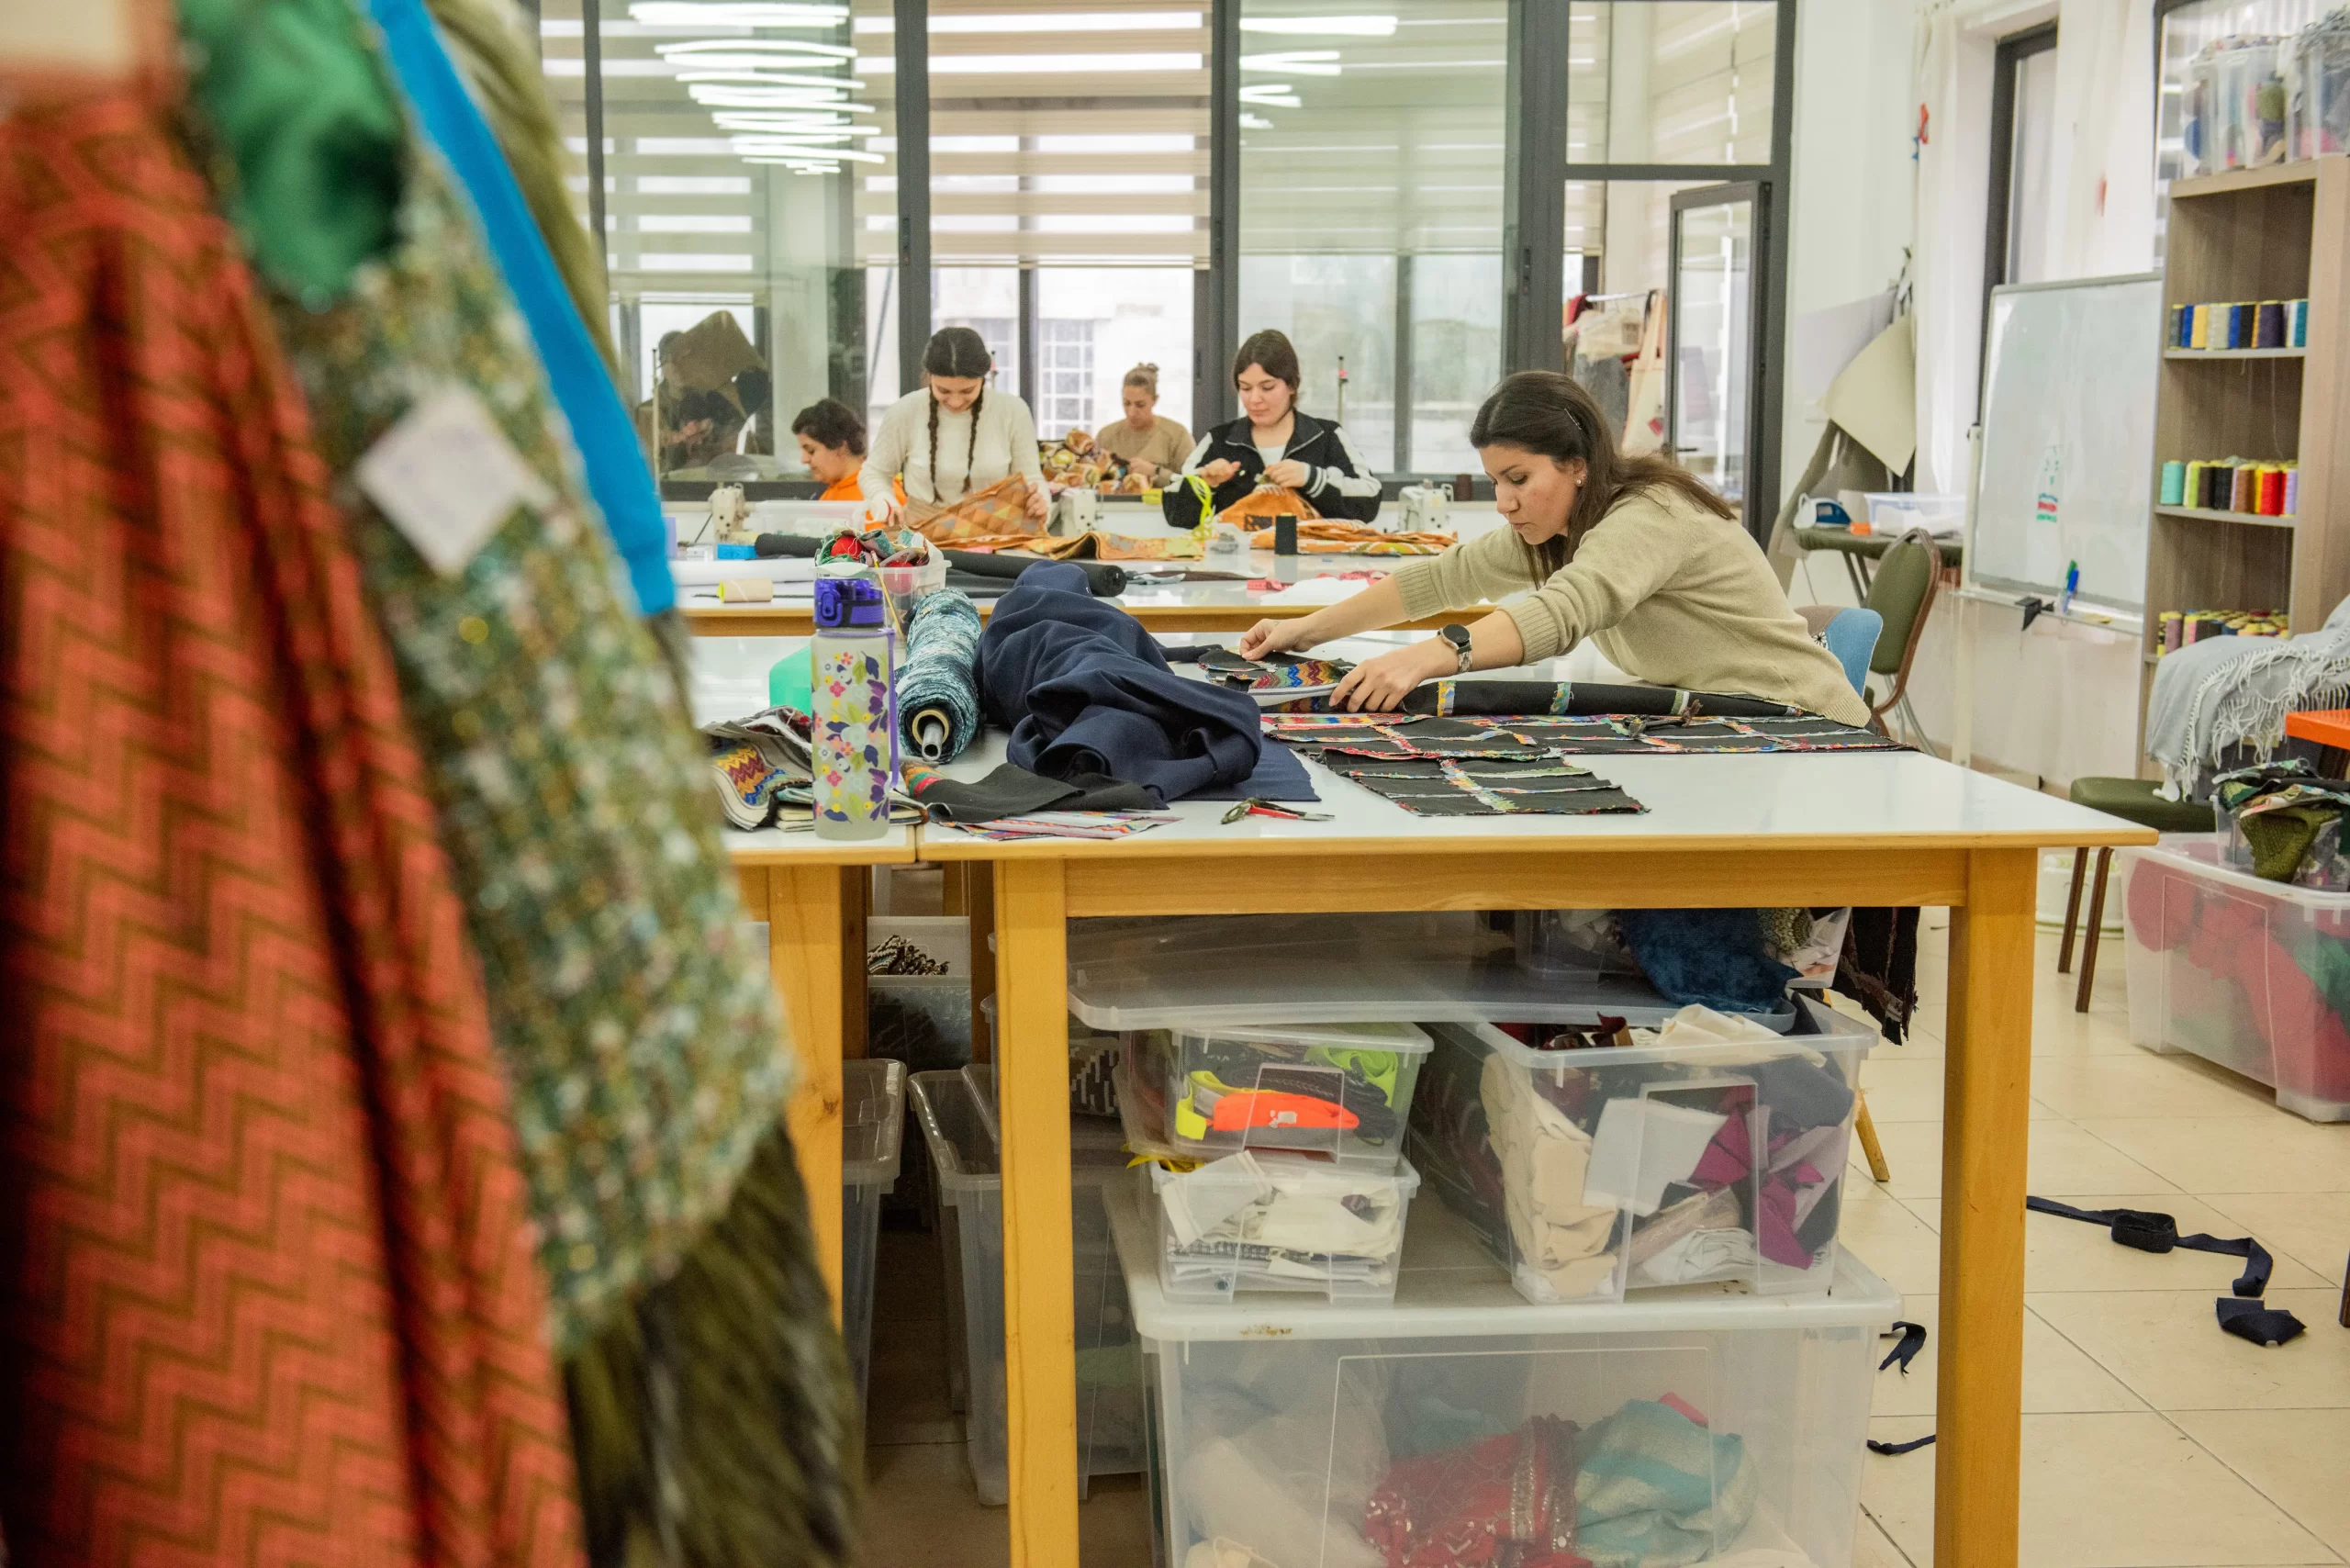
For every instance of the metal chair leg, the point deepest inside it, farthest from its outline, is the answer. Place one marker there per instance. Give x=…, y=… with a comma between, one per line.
x=1865, y=1125
x=2072, y=913
x=2090, y=934
x=1917, y=727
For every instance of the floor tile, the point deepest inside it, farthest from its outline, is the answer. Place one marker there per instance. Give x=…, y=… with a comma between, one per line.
x=2314, y=1228
x=1902, y=1248
x=2071, y=1255
x=2058, y=1377
x=2293, y=1457
x=2167, y=1347
x=2064, y=1159
x=2209, y=1154
x=2123, y=1490
x=925, y=1513
x=1872, y=1548
x=1904, y=1084
x=2144, y=1084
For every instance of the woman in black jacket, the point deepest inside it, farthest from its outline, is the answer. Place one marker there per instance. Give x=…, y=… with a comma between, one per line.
x=1272, y=443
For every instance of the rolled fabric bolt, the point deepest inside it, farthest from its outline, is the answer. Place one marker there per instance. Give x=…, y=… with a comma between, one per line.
x=938, y=689
x=1285, y=535
x=745, y=590
x=2174, y=484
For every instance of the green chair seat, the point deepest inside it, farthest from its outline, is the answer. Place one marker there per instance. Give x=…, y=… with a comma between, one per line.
x=2134, y=800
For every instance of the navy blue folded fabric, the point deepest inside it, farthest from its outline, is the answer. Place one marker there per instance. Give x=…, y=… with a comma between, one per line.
x=1084, y=689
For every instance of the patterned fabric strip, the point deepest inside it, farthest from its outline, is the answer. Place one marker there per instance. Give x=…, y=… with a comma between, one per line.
x=269, y=1295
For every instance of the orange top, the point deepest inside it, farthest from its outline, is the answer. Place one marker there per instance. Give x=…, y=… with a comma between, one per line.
x=2331, y=727
x=848, y=490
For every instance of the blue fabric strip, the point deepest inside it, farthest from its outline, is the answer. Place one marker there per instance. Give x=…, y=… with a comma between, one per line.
x=617, y=480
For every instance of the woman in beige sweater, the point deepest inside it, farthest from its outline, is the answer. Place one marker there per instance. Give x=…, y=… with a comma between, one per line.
x=1631, y=552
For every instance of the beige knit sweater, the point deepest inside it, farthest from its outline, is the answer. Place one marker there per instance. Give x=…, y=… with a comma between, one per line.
x=1671, y=594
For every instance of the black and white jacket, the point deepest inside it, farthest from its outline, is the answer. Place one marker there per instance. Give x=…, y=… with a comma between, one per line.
x=1339, y=482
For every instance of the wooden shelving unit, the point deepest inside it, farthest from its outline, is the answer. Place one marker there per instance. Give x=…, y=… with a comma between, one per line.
x=2274, y=233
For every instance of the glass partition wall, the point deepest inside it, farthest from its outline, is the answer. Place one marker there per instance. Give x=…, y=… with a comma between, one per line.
x=747, y=153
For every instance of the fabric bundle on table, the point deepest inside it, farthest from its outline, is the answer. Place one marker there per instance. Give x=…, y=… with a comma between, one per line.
x=268, y=1290
x=938, y=685
x=1441, y=787
x=2225, y=692
x=1087, y=694
x=712, y=1410
x=1567, y=697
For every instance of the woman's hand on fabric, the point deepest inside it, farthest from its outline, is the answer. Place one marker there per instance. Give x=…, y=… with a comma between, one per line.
x=1289, y=472
x=1038, y=504
x=1288, y=636
x=1142, y=468
x=1217, y=472
x=1378, y=685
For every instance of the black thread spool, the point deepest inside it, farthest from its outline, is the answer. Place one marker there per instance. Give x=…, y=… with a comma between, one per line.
x=1285, y=533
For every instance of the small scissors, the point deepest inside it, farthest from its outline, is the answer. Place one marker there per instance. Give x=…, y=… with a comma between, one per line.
x=1253, y=807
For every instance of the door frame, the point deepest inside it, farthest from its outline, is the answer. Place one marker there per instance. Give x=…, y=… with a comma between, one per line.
x=1758, y=295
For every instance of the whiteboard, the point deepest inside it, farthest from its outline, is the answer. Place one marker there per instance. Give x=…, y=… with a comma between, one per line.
x=2066, y=461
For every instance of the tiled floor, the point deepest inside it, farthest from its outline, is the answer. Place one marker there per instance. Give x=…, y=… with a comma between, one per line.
x=2151, y=1439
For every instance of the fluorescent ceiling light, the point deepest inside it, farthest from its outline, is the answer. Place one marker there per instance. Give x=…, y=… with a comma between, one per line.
x=1050, y=22
x=1322, y=26
x=761, y=98
x=711, y=67
x=758, y=46
x=792, y=123
x=803, y=89
x=737, y=14
x=1298, y=61
x=1273, y=95
x=1254, y=122
x=1069, y=65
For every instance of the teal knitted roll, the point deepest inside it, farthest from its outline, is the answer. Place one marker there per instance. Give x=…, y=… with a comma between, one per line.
x=938, y=686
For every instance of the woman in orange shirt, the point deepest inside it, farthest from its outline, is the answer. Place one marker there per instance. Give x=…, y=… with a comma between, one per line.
x=832, y=443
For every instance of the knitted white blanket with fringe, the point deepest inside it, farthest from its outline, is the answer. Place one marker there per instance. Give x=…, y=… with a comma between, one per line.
x=2232, y=691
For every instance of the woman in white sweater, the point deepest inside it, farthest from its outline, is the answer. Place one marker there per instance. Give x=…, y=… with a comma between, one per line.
x=1631, y=551
x=954, y=436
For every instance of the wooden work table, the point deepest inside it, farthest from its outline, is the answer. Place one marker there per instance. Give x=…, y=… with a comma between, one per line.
x=1857, y=828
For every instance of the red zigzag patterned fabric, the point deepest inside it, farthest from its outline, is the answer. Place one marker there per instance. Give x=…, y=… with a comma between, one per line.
x=265, y=1291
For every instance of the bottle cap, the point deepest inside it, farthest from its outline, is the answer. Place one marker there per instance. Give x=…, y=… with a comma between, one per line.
x=847, y=602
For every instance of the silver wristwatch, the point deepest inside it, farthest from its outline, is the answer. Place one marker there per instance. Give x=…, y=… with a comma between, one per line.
x=1458, y=637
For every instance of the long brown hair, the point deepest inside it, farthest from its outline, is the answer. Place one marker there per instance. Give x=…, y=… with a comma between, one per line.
x=1550, y=414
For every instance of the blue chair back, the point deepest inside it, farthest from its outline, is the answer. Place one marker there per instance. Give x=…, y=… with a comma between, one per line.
x=1852, y=636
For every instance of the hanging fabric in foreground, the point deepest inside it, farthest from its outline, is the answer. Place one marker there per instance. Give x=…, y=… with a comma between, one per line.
x=710, y=1396
x=267, y=1287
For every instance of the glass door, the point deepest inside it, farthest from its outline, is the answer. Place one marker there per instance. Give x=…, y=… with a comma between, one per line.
x=1715, y=299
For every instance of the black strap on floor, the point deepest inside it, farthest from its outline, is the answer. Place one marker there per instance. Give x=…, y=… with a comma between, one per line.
x=1913, y=1339
x=2241, y=1313
x=1912, y=1446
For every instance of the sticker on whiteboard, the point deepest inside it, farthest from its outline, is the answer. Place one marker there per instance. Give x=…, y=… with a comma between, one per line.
x=447, y=477
x=2051, y=485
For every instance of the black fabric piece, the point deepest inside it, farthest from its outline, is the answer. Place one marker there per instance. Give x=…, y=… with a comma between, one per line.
x=798, y=545
x=1084, y=690
x=1912, y=1446
x=1583, y=735
x=1012, y=791
x=2266, y=1326
x=1534, y=697
x=1103, y=580
x=1879, y=967
x=2151, y=1232
x=1818, y=1227
x=1802, y=1094
x=1913, y=1339
x=977, y=586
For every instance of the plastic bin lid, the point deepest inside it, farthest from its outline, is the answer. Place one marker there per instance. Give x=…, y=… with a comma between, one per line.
x=2198, y=854
x=1296, y=1170
x=1825, y=1030
x=1466, y=1295
x=1404, y=1039
x=1449, y=979
x=873, y=1121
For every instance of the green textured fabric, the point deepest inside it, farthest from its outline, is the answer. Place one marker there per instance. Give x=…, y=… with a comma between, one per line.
x=2134, y=800
x=2280, y=838
x=502, y=74
x=295, y=102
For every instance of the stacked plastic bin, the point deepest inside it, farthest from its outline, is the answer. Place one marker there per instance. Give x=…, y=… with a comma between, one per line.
x=1626, y=1334
x=873, y=1121
x=956, y=1112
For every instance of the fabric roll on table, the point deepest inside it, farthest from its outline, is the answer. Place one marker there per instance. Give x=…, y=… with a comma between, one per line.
x=1103, y=580
x=938, y=687
x=1519, y=698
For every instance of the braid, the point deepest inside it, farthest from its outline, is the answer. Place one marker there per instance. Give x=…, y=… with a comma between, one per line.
x=971, y=452
x=934, y=446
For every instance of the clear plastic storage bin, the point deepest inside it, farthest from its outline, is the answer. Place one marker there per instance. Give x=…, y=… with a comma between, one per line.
x=1340, y=1089
x=1275, y=1221
x=873, y=1122
x=1694, y=1425
x=966, y=1166
x=1594, y=1172
x=2249, y=974
x=1093, y=1053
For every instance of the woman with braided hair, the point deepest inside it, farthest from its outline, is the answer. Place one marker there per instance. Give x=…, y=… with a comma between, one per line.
x=955, y=436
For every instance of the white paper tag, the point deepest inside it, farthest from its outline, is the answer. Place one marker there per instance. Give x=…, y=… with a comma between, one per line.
x=447, y=477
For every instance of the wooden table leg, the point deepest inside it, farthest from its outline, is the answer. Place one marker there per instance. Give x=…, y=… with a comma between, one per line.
x=1039, y=1317
x=979, y=894
x=816, y=958
x=1987, y=1099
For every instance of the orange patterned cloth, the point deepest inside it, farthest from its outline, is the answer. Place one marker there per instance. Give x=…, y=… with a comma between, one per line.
x=999, y=509
x=266, y=1288
x=1261, y=505
x=1335, y=537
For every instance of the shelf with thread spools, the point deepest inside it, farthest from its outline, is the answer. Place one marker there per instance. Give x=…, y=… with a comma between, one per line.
x=2256, y=236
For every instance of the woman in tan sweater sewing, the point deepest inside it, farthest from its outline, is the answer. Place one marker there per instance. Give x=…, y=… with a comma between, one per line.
x=1631, y=552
